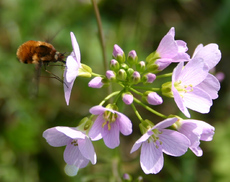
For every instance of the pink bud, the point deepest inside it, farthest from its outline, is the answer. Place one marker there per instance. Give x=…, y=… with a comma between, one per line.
x=127, y=98
x=154, y=99
x=96, y=82
x=117, y=51
x=110, y=74
x=150, y=77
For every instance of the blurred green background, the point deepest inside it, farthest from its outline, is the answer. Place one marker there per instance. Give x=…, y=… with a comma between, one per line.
x=132, y=24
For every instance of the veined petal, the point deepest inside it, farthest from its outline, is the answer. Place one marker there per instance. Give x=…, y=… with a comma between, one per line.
x=151, y=158
x=198, y=100
x=209, y=53
x=173, y=142
x=71, y=132
x=95, y=132
x=111, y=136
x=177, y=71
x=73, y=156
x=142, y=139
x=96, y=110
x=67, y=89
x=96, y=82
x=194, y=72
x=55, y=138
x=87, y=150
x=125, y=125
x=197, y=151
x=76, y=48
x=166, y=123
x=210, y=85
x=71, y=69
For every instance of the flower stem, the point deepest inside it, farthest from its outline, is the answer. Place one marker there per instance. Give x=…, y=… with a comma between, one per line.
x=98, y=17
x=149, y=108
x=164, y=75
x=108, y=97
x=136, y=112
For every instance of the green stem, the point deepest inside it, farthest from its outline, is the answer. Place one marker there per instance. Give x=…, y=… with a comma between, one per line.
x=136, y=112
x=164, y=75
x=149, y=108
x=98, y=17
x=146, y=88
x=95, y=74
x=108, y=97
x=135, y=91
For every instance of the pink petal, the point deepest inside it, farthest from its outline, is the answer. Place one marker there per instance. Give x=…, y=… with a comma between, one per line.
x=55, y=138
x=173, y=142
x=194, y=72
x=198, y=100
x=138, y=143
x=151, y=158
x=167, y=47
x=95, y=132
x=76, y=48
x=87, y=150
x=71, y=132
x=210, y=53
x=111, y=137
x=165, y=123
x=96, y=110
x=125, y=124
x=73, y=156
x=210, y=85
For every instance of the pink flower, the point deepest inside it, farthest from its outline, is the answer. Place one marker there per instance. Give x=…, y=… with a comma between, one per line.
x=184, y=87
x=157, y=141
x=108, y=125
x=73, y=63
x=171, y=50
x=195, y=131
x=79, y=149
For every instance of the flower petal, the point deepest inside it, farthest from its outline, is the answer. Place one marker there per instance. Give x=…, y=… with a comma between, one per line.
x=96, y=110
x=125, y=124
x=211, y=85
x=151, y=158
x=95, y=132
x=142, y=139
x=71, y=132
x=55, y=138
x=96, y=82
x=173, y=142
x=165, y=123
x=111, y=136
x=73, y=156
x=87, y=150
x=76, y=48
x=209, y=53
x=198, y=100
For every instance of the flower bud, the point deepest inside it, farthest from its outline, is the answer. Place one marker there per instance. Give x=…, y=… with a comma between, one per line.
x=110, y=75
x=153, y=98
x=136, y=77
x=121, y=75
x=114, y=65
x=127, y=98
x=124, y=66
x=127, y=177
x=140, y=66
x=166, y=89
x=149, y=78
x=118, y=54
x=132, y=57
x=130, y=72
x=96, y=82
x=85, y=124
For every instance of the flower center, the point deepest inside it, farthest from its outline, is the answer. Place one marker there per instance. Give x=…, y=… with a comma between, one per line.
x=155, y=138
x=109, y=118
x=183, y=89
x=74, y=142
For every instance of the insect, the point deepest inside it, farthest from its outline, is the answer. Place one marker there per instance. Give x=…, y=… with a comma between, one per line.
x=41, y=54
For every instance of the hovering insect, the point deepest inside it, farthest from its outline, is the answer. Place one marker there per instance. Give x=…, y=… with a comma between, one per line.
x=41, y=54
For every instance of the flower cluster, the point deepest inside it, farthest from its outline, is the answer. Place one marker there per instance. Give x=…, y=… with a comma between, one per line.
x=192, y=86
